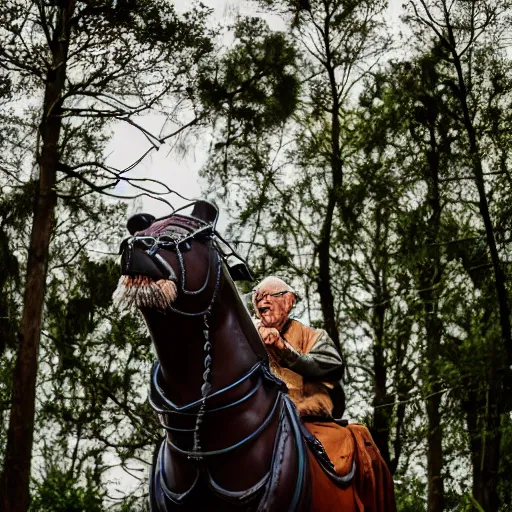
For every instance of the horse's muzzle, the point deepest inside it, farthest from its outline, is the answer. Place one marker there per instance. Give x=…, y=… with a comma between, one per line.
x=136, y=262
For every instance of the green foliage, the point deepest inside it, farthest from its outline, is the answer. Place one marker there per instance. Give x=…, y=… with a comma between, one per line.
x=253, y=88
x=410, y=495
x=381, y=175
x=505, y=487
x=95, y=364
x=14, y=208
x=112, y=62
x=61, y=492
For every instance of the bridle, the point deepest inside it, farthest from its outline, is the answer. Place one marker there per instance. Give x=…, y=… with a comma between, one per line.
x=174, y=240
x=163, y=406
x=171, y=241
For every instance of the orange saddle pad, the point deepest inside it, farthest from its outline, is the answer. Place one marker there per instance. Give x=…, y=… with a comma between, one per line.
x=373, y=484
x=338, y=443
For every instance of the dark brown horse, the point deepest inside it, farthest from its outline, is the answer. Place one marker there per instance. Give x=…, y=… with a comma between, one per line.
x=233, y=439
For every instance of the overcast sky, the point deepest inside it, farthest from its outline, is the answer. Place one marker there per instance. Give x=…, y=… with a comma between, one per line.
x=179, y=170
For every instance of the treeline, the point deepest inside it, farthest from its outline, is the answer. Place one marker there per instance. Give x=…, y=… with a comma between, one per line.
x=373, y=172
x=385, y=198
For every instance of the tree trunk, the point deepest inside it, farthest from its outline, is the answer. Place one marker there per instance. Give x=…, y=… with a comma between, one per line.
x=480, y=419
x=499, y=372
x=324, y=246
x=324, y=276
x=435, y=432
x=431, y=275
x=382, y=402
x=16, y=474
x=473, y=407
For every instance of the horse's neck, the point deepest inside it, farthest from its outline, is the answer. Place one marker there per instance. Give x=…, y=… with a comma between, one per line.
x=246, y=406
x=180, y=345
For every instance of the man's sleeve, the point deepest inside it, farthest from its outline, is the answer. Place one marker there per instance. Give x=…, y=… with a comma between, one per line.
x=322, y=362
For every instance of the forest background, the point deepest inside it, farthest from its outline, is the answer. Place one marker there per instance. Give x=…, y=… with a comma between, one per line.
x=370, y=170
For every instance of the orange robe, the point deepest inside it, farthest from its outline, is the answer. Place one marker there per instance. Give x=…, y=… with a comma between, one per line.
x=307, y=366
x=372, y=489
x=310, y=365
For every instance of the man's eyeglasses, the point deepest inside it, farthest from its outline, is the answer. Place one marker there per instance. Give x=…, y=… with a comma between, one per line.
x=259, y=297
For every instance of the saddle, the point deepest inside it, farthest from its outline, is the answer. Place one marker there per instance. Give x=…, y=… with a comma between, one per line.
x=333, y=446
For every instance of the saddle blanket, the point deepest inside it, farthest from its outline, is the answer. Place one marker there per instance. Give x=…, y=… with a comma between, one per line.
x=373, y=481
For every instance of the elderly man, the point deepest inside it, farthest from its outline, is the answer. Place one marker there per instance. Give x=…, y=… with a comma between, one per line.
x=305, y=358
x=309, y=363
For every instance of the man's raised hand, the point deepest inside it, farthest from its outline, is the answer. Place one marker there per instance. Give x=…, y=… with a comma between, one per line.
x=271, y=336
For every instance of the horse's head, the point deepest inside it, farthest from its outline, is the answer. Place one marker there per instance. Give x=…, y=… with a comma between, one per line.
x=173, y=263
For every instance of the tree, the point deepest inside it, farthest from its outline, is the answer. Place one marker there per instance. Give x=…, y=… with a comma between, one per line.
x=93, y=408
x=339, y=42
x=417, y=120
x=465, y=32
x=407, y=240
x=90, y=61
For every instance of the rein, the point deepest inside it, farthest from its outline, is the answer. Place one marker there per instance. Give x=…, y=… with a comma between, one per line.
x=157, y=399
x=162, y=405
x=169, y=407
x=172, y=241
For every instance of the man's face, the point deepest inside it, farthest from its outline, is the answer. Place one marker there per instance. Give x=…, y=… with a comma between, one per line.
x=273, y=304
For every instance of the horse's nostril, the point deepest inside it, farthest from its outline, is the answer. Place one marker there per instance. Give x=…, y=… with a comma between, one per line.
x=136, y=262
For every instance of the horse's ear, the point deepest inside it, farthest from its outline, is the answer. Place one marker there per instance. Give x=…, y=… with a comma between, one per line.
x=204, y=210
x=139, y=222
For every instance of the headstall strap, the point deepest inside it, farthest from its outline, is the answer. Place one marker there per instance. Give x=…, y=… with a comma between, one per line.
x=205, y=389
